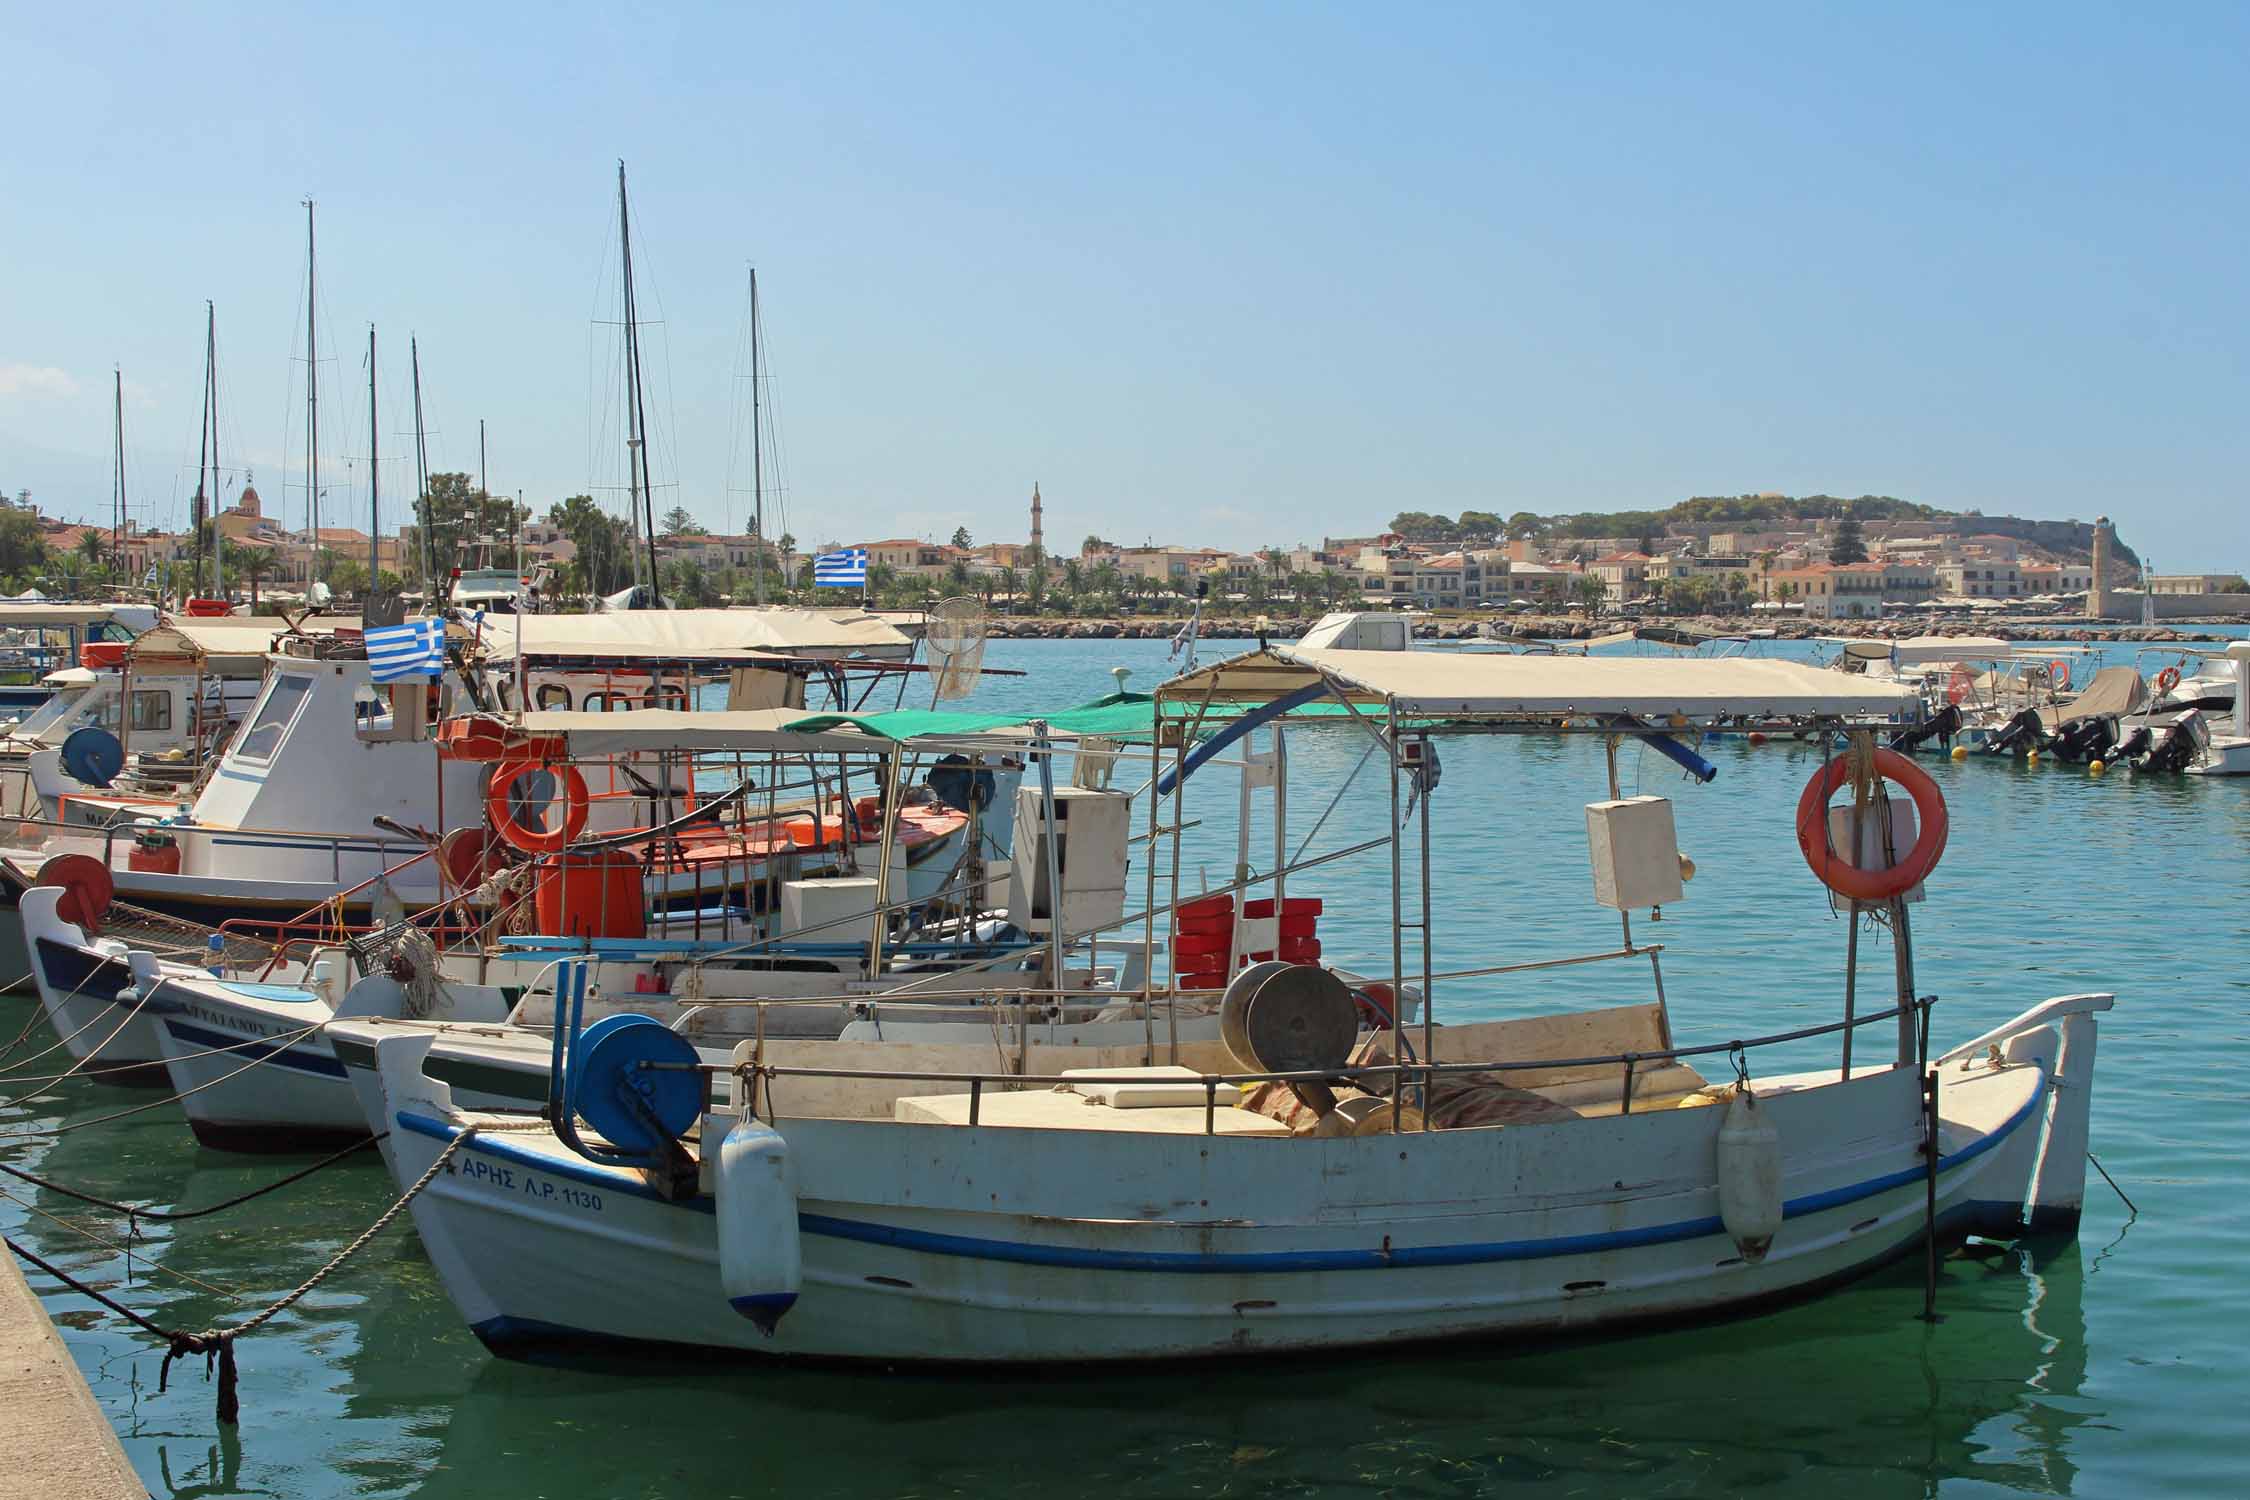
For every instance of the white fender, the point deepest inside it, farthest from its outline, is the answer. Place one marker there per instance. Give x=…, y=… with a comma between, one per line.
x=1749, y=1175
x=761, y=1263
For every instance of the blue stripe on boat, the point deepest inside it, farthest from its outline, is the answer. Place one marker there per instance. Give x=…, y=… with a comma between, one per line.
x=284, y=1056
x=1238, y=1262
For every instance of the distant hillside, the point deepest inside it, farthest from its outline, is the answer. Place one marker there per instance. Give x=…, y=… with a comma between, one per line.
x=1703, y=513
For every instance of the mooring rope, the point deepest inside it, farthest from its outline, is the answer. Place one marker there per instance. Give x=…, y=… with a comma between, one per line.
x=216, y=1344
x=134, y=1213
x=211, y=1083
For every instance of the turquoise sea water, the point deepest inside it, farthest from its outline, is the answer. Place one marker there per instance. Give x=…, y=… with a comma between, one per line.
x=2111, y=1366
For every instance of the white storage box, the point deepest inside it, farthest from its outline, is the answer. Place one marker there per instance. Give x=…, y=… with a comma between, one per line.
x=1092, y=828
x=1635, y=851
x=829, y=911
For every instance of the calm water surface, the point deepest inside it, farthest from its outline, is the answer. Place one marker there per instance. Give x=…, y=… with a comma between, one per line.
x=2112, y=1366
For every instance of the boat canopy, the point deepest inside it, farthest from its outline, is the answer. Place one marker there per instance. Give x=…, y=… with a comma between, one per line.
x=34, y=615
x=1454, y=686
x=637, y=636
x=642, y=730
x=1919, y=649
x=190, y=646
x=1117, y=716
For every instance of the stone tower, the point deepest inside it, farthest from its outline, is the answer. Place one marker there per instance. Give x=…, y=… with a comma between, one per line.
x=1036, y=544
x=2097, y=595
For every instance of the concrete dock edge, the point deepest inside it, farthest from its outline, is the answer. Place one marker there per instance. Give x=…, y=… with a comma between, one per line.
x=56, y=1444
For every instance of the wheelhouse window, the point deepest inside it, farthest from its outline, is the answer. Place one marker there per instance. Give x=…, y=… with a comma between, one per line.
x=275, y=711
x=607, y=702
x=553, y=695
x=151, y=709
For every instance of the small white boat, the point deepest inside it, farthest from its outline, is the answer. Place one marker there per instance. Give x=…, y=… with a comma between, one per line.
x=1192, y=1206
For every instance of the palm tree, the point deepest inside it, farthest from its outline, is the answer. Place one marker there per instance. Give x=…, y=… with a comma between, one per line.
x=94, y=548
x=250, y=564
x=1008, y=585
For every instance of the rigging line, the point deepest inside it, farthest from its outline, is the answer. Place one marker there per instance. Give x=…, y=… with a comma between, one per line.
x=279, y=1037
x=92, y=1052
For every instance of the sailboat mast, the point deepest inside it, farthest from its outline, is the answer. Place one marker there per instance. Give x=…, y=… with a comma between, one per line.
x=117, y=509
x=201, y=509
x=374, y=472
x=421, y=464
x=211, y=383
x=636, y=438
x=757, y=455
x=312, y=405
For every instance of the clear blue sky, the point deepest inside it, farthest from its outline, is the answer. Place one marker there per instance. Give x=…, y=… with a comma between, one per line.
x=1238, y=274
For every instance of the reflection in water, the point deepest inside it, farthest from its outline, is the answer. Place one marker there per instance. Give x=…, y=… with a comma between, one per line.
x=1853, y=1395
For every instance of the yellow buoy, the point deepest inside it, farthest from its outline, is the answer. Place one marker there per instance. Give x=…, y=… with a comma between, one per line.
x=1960, y=752
x=2031, y=757
x=2095, y=768
x=1687, y=869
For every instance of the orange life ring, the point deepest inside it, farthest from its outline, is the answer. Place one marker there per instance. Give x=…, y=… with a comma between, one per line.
x=535, y=840
x=87, y=887
x=2167, y=679
x=2058, y=672
x=1839, y=874
x=1960, y=685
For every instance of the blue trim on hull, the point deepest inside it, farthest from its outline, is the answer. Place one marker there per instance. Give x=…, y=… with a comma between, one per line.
x=284, y=1056
x=1240, y=1262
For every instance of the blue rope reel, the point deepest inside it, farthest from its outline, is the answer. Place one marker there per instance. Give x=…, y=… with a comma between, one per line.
x=91, y=754
x=636, y=1108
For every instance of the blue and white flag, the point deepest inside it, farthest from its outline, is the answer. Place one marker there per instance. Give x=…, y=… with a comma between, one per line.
x=151, y=580
x=845, y=569
x=415, y=649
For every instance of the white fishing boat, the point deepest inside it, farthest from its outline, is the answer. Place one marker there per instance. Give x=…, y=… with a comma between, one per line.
x=1120, y=1212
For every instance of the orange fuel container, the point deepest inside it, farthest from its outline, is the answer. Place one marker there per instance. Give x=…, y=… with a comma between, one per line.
x=591, y=893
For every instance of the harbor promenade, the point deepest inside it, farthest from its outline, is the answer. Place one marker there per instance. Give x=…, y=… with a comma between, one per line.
x=56, y=1445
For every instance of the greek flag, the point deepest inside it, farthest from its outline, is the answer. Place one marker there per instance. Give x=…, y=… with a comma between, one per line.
x=151, y=579
x=845, y=569
x=415, y=649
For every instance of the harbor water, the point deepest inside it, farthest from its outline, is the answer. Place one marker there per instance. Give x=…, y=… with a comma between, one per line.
x=2111, y=1366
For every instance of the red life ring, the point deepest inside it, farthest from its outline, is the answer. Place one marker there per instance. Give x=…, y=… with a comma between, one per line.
x=87, y=887
x=535, y=840
x=2058, y=672
x=1960, y=685
x=1847, y=879
x=2167, y=679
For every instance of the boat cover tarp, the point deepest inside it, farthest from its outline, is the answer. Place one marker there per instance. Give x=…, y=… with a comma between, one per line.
x=2115, y=691
x=1453, y=685
x=188, y=646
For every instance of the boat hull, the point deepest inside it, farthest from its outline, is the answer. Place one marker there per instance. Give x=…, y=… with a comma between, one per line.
x=990, y=1244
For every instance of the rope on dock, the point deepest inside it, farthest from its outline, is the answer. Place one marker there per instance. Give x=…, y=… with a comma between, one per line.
x=216, y=1344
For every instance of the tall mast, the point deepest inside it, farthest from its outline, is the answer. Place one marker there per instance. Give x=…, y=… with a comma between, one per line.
x=312, y=405
x=202, y=507
x=211, y=383
x=117, y=509
x=757, y=455
x=636, y=438
x=421, y=465
x=374, y=472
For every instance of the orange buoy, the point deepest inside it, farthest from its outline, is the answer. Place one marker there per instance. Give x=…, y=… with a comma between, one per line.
x=1842, y=876
x=541, y=840
x=87, y=887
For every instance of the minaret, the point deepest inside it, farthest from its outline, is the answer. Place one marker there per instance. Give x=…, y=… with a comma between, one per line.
x=2097, y=596
x=1036, y=545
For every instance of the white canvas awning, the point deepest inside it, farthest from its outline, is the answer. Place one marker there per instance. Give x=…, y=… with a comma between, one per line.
x=1457, y=685
x=192, y=645
x=739, y=636
x=757, y=730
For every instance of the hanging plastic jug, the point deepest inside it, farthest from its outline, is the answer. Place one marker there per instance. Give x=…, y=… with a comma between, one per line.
x=755, y=1188
x=1749, y=1175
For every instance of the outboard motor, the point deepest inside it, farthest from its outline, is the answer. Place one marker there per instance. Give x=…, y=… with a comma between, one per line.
x=2134, y=745
x=2023, y=732
x=1941, y=726
x=2088, y=739
x=2176, y=744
